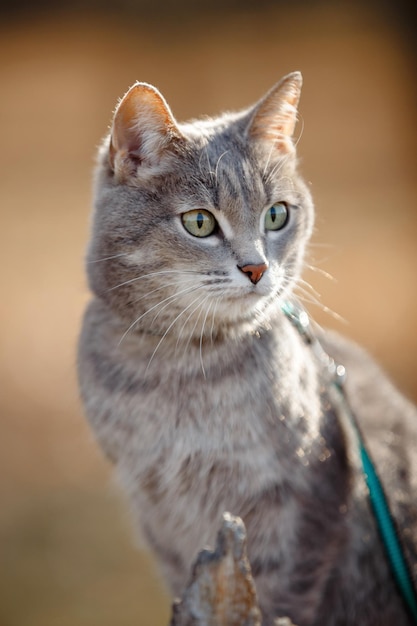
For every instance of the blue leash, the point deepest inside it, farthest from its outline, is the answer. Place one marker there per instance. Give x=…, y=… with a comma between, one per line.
x=378, y=500
x=388, y=532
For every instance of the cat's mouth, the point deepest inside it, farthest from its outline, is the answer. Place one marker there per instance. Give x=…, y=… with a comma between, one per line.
x=246, y=303
x=251, y=295
x=250, y=292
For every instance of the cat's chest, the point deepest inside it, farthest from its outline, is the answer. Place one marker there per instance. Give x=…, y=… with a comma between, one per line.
x=240, y=407
x=216, y=412
x=149, y=399
x=209, y=441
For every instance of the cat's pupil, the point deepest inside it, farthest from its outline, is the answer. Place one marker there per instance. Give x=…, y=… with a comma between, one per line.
x=273, y=214
x=200, y=220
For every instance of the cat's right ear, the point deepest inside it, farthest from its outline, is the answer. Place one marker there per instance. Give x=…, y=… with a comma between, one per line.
x=143, y=133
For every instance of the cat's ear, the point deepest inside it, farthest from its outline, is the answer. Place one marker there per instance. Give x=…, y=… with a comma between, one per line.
x=273, y=120
x=143, y=132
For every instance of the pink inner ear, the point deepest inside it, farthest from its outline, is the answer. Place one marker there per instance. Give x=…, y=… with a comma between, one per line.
x=143, y=125
x=125, y=140
x=276, y=115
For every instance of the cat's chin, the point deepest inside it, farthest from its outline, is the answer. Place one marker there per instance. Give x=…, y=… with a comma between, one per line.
x=246, y=307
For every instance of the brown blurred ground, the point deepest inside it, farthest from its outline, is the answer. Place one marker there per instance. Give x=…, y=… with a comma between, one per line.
x=66, y=555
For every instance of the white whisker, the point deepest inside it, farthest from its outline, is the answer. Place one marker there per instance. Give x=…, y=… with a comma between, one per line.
x=301, y=281
x=132, y=280
x=165, y=286
x=305, y=296
x=178, y=293
x=267, y=161
x=277, y=168
x=210, y=171
x=168, y=299
x=168, y=329
x=200, y=305
x=213, y=318
x=217, y=164
x=185, y=324
x=108, y=258
x=201, y=338
x=321, y=271
x=300, y=119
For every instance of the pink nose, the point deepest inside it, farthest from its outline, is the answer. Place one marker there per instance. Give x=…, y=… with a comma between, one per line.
x=254, y=272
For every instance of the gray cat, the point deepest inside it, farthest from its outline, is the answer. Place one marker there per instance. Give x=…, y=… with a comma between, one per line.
x=200, y=389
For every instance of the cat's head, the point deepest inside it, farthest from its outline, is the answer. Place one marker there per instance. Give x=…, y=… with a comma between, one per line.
x=200, y=225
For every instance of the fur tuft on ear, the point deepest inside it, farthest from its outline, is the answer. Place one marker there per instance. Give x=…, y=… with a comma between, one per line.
x=274, y=118
x=143, y=132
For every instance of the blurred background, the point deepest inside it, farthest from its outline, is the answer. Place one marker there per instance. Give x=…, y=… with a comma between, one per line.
x=66, y=548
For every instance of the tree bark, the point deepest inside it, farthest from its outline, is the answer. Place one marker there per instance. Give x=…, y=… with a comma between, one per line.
x=221, y=591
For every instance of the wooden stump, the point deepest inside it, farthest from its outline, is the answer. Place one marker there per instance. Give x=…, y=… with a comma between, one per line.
x=221, y=591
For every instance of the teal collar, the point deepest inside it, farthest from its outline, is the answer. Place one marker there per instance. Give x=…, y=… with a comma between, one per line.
x=383, y=517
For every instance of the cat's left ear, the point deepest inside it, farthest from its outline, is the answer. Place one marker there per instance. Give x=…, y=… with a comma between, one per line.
x=274, y=118
x=144, y=133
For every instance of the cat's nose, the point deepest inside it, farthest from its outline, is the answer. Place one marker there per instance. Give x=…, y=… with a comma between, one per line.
x=254, y=272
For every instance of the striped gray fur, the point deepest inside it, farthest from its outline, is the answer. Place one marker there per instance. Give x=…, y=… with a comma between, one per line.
x=202, y=393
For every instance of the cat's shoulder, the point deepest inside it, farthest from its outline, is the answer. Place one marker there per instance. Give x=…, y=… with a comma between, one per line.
x=387, y=418
x=365, y=378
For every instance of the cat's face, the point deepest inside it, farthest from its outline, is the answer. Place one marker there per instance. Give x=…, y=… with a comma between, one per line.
x=203, y=225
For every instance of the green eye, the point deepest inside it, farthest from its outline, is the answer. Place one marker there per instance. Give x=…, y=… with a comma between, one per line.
x=199, y=223
x=276, y=217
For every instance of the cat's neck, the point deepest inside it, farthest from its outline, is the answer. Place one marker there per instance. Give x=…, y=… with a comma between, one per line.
x=275, y=350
